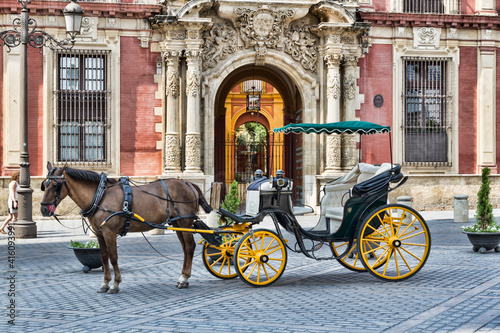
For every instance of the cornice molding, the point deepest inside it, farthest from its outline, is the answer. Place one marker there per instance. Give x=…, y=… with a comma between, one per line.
x=378, y=19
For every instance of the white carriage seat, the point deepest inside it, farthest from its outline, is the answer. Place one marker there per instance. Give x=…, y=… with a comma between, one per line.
x=337, y=193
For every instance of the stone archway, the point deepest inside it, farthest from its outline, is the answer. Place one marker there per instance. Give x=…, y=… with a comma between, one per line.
x=311, y=50
x=275, y=112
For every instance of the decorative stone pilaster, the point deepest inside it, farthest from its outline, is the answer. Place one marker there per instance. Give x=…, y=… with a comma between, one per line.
x=349, y=155
x=193, y=137
x=172, y=152
x=486, y=102
x=172, y=139
x=333, y=147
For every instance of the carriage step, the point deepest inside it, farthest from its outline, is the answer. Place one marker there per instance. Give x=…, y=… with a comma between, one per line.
x=212, y=239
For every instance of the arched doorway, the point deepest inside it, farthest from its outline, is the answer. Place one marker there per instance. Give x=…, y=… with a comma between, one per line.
x=280, y=105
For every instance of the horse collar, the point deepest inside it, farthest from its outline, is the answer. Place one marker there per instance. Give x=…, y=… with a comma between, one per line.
x=97, y=197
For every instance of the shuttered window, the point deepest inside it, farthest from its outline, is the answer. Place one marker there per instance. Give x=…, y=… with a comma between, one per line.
x=81, y=118
x=427, y=126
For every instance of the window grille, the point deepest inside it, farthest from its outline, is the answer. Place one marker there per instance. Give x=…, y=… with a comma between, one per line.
x=81, y=117
x=426, y=119
x=427, y=6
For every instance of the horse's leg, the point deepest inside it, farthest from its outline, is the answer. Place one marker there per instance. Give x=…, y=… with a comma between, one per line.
x=188, y=247
x=110, y=239
x=105, y=264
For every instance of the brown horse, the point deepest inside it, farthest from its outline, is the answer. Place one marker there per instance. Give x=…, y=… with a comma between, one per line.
x=174, y=200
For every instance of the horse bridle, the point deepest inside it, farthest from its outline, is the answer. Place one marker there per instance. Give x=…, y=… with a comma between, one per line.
x=59, y=181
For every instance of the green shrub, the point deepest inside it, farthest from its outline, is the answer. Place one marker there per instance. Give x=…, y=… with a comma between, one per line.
x=485, y=221
x=232, y=201
x=89, y=245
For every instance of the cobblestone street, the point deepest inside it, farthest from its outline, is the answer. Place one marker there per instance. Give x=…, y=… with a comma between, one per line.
x=456, y=291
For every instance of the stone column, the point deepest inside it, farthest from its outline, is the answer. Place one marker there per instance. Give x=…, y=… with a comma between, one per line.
x=193, y=136
x=172, y=137
x=333, y=146
x=349, y=156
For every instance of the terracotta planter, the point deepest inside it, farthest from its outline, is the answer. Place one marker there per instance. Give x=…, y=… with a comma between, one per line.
x=90, y=258
x=484, y=241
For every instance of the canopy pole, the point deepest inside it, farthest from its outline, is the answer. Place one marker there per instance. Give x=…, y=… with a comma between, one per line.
x=390, y=147
x=359, y=151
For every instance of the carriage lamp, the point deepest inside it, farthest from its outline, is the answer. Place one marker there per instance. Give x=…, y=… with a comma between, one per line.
x=280, y=181
x=24, y=32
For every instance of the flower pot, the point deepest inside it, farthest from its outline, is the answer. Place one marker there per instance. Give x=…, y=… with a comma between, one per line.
x=484, y=241
x=90, y=258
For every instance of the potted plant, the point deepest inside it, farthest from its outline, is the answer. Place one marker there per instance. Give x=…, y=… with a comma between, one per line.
x=88, y=254
x=484, y=235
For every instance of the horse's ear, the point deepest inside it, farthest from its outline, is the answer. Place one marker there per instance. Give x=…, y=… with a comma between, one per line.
x=49, y=166
x=64, y=167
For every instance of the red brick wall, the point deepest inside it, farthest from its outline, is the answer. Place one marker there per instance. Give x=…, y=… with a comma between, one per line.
x=139, y=156
x=376, y=79
x=467, y=110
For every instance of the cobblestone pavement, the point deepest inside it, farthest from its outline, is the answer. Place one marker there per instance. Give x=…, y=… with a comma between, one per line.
x=456, y=291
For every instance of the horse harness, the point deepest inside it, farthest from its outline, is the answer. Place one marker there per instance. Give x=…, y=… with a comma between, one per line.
x=126, y=211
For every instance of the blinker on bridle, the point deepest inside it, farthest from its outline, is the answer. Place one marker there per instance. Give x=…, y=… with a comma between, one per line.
x=59, y=180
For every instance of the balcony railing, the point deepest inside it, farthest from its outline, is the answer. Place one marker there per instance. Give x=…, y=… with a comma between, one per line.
x=427, y=6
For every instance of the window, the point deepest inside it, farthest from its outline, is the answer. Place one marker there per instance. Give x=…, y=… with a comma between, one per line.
x=428, y=6
x=82, y=106
x=425, y=112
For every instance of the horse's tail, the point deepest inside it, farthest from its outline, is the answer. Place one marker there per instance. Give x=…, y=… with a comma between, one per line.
x=202, y=201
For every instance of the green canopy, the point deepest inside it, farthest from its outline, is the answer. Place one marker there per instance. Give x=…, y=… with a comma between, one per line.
x=349, y=127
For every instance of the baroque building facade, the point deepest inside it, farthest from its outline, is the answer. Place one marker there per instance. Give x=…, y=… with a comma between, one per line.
x=144, y=91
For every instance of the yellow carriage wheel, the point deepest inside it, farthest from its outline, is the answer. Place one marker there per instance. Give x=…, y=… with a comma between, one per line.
x=351, y=259
x=218, y=260
x=399, y=239
x=260, y=257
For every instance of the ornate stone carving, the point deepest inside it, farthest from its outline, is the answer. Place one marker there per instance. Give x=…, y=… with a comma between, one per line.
x=192, y=82
x=426, y=37
x=333, y=152
x=349, y=156
x=193, y=148
x=262, y=28
x=89, y=28
x=172, y=152
x=333, y=59
x=220, y=41
x=301, y=44
x=333, y=85
x=177, y=34
x=349, y=87
x=172, y=82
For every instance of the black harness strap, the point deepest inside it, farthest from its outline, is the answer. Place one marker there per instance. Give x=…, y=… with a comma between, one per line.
x=127, y=204
x=97, y=197
x=171, y=219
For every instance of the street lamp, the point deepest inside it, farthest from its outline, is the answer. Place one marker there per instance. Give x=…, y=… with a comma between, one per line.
x=22, y=34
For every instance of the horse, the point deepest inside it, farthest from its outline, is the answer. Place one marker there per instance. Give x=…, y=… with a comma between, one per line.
x=102, y=201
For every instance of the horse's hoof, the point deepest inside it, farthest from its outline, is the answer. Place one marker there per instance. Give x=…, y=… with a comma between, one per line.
x=182, y=285
x=113, y=290
x=103, y=289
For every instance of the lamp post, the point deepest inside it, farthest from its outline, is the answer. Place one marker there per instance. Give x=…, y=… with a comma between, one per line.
x=25, y=32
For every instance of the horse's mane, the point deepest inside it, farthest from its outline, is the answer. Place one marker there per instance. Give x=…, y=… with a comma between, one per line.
x=87, y=175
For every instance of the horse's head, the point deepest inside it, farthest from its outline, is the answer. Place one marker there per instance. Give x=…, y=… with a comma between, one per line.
x=53, y=189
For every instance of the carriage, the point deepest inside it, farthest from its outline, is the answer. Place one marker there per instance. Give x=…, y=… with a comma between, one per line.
x=356, y=226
